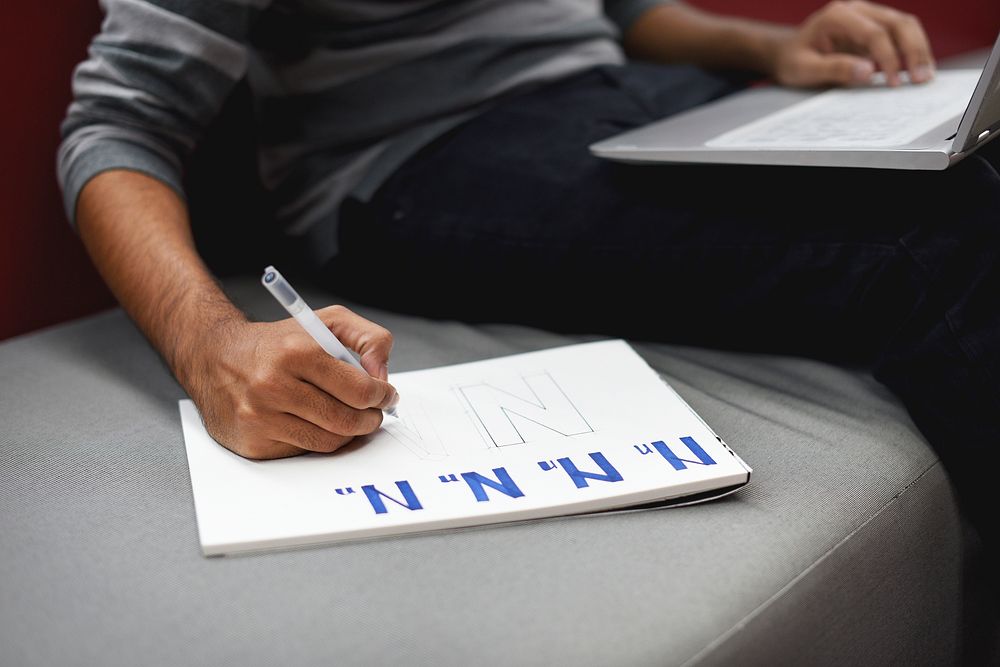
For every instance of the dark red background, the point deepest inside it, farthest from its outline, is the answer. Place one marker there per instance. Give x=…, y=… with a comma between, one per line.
x=45, y=275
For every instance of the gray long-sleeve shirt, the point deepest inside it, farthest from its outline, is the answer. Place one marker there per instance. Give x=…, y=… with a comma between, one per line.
x=344, y=90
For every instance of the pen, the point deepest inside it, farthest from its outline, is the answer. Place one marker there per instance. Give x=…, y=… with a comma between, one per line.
x=296, y=306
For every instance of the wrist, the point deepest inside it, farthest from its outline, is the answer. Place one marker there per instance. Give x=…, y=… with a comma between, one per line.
x=203, y=345
x=764, y=46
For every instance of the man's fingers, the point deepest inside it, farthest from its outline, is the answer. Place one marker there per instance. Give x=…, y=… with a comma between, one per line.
x=391, y=400
x=909, y=38
x=297, y=432
x=259, y=448
x=298, y=356
x=279, y=393
x=371, y=341
x=837, y=69
x=862, y=30
x=272, y=449
x=344, y=382
x=318, y=407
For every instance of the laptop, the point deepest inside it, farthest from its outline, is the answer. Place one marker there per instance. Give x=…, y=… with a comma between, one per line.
x=928, y=126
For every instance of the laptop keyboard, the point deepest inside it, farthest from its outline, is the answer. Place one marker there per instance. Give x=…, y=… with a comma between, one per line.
x=876, y=117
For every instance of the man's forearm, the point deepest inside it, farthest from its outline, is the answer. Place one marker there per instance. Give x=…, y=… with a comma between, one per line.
x=264, y=390
x=137, y=232
x=675, y=33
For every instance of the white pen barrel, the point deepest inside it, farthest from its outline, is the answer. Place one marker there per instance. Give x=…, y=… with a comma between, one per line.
x=304, y=315
x=312, y=324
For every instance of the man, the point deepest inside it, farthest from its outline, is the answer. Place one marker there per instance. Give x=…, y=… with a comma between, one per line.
x=411, y=146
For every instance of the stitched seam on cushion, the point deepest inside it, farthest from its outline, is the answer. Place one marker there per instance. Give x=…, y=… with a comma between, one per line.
x=759, y=609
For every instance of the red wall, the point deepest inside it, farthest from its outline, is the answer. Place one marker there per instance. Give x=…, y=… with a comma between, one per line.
x=45, y=275
x=953, y=27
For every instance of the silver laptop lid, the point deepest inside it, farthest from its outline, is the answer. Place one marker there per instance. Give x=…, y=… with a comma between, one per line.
x=981, y=120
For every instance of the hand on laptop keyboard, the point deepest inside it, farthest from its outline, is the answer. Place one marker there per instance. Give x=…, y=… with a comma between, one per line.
x=844, y=43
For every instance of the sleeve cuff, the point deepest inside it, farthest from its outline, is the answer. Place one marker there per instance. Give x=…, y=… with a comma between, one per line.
x=625, y=12
x=77, y=167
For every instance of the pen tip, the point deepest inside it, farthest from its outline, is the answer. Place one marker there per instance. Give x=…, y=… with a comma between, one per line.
x=392, y=412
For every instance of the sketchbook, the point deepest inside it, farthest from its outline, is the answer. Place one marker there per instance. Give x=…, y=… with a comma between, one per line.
x=571, y=430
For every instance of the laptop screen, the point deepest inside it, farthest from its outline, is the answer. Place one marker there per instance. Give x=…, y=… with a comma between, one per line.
x=982, y=117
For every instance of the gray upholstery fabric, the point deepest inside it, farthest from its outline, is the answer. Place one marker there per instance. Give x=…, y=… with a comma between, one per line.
x=846, y=546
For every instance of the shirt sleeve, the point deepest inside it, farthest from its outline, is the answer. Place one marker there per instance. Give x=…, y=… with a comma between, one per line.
x=155, y=77
x=624, y=13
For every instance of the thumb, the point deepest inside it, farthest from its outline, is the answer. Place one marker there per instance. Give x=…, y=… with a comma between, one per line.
x=836, y=69
x=372, y=342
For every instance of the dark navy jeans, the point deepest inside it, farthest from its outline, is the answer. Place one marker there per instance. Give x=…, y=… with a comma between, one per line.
x=509, y=218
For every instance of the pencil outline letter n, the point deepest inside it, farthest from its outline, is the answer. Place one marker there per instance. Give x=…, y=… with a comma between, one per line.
x=540, y=408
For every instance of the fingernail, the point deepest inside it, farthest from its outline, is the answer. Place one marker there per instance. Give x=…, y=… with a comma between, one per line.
x=395, y=400
x=383, y=371
x=922, y=73
x=863, y=72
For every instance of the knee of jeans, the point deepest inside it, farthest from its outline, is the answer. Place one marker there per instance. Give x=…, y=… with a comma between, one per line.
x=960, y=219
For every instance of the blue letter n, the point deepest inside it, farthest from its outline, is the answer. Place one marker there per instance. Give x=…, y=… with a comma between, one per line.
x=580, y=477
x=677, y=462
x=375, y=497
x=504, y=484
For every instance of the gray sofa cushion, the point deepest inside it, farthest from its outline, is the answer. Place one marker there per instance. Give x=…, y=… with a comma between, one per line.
x=846, y=545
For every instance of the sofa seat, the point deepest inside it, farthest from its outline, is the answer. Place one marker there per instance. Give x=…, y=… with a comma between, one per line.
x=846, y=547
